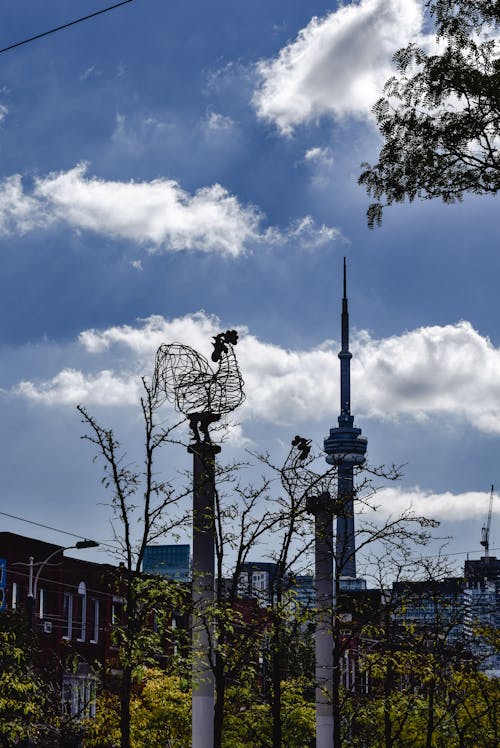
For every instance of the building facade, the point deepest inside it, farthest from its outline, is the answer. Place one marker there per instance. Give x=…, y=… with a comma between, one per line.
x=72, y=606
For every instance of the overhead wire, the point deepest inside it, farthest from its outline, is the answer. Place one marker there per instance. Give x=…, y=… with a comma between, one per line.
x=56, y=529
x=117, y=547
x=66, y=25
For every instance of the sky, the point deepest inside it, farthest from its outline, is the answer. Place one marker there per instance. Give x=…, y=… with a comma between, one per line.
x=170, y=170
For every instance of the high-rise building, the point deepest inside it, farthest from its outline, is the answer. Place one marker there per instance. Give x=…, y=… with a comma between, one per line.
x=482, y=608
x=346, y=448
x=171, y=561
x=258, y=579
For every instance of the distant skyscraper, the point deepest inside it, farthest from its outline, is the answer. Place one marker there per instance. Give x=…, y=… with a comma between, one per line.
x=171, y=561
x=346, y=448
x=258, y=579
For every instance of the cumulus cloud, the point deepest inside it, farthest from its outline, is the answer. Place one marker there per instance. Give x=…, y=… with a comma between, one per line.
x=449, y=371
x=439, y=369
x=159, y=213
x=20, y=212
x=338, y=64
x=440, y=506
x=70, y=387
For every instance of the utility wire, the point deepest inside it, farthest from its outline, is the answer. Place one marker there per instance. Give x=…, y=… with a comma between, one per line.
x=55, y=529
x=115, y=547
x=65, y=25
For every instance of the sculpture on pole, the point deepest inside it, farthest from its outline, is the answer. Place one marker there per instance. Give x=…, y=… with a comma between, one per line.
x=185, y=378
x=317, y=490
x=203, y=394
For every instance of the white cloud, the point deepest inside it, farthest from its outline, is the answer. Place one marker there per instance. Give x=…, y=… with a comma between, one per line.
x=441, y=506
x=218, y=122
x=159, y=213
x=70, y=387
x=143, y=340
x=449, y=371
x=321, y=164
x=4, y=110
x=337, y=65
x=321, y=156
x=20, y=212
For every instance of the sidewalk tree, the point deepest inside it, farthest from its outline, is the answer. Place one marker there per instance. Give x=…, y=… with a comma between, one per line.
x=24, y=700
x=145, y=507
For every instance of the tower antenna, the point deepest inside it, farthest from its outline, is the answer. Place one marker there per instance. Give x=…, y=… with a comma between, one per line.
x=485, y=530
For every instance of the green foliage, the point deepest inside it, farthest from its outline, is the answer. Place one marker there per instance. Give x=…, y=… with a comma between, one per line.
x=423, y=695
x=440, y=115
x=160, y=712
x=248, y=720
x=161, y=715
x=23, y=694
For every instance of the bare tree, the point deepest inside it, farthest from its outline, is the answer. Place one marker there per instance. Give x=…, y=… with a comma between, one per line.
x=145, y=507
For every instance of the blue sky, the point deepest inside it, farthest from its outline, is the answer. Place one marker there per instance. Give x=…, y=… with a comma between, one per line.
x=169, y=169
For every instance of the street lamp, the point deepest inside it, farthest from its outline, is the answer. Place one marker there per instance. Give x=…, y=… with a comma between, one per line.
x=33, y=588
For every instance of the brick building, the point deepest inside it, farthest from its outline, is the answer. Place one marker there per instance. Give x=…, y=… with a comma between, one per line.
x=72, y=607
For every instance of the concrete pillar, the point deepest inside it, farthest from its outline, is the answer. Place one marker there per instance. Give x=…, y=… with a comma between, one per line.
x=203, y=591
x=321, y=508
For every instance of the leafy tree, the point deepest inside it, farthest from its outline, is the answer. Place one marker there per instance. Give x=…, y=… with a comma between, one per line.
x=160, y=713
x=473, y=702
x=23, y=692
x=440, y=115
x=248, y=719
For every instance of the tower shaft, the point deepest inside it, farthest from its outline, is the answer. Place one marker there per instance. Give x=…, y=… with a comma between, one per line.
x=346, y=448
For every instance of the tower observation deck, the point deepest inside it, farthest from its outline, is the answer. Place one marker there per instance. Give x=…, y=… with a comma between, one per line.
x=346, y=448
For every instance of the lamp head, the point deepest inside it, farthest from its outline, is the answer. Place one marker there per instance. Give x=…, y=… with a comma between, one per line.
x=86, y=544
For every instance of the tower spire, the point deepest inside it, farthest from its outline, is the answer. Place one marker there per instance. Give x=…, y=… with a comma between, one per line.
x=346, y=448
x=345, y=362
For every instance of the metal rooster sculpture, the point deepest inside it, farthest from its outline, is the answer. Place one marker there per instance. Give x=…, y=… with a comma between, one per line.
x=185, y=378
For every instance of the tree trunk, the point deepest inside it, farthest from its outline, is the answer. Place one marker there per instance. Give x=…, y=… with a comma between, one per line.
x=430, y=715
x=126, y=691
x=276, y=685
x=388, y=690
x=220, y=694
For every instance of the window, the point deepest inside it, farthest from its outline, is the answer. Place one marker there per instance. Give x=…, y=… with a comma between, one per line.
x=116, y=620
x=94, y=620
x=68, y=614
x=82, y=611
x=14, y=596
x=117, y=611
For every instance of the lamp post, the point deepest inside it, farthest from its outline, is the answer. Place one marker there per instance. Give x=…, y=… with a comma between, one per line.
x=33, y=586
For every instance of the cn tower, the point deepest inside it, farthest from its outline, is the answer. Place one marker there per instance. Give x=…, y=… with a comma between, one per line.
x=346, y=448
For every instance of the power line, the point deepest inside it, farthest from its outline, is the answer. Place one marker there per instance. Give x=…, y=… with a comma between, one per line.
x=65, y=25
x=56, y=529
x=116, y=546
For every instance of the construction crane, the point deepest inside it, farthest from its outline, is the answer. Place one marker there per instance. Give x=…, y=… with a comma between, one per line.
x=485, y=530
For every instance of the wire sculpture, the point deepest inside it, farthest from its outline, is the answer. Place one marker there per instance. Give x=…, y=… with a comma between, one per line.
x=299, y=480
x=185, y=378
